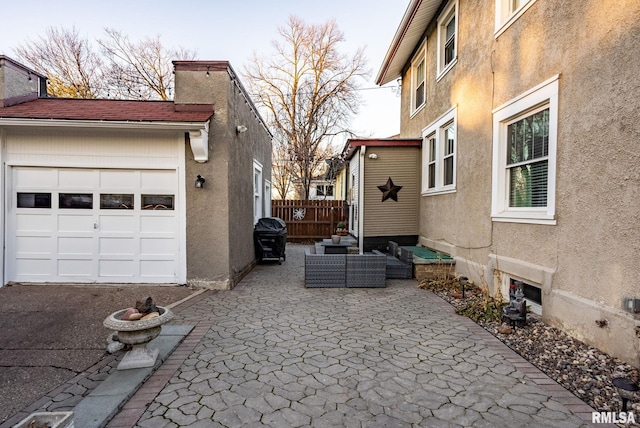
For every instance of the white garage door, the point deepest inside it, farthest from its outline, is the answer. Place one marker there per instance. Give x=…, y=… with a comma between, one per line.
x=88, y=225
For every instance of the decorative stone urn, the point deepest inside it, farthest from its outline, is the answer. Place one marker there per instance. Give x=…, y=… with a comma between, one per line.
x=138, y=334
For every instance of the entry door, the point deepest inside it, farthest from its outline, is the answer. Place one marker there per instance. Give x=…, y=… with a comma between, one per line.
x=86, y=225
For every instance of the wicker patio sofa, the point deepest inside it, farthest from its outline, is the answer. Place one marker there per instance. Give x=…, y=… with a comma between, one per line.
x=399, y=261
x=344, y=270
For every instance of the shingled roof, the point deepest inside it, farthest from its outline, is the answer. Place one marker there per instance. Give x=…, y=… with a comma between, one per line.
x=107, y=110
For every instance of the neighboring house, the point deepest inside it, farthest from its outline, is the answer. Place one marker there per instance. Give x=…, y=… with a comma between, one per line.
x=383, y=191
x=322, y=190
x=110, y=191
x=528, y=112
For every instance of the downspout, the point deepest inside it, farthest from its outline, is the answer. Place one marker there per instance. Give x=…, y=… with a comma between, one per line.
x=5, y=203
x=363, y=150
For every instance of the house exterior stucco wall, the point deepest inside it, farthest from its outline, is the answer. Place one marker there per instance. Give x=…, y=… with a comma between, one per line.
x=220, y=215
x=585, y=262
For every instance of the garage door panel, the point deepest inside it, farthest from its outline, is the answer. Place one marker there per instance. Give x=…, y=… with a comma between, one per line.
x=36, y=267
x=125, y=180
x=27, y=246
x=157, y=224
x=157, y=269
x=76, y=223
x=157, y=246
x=117, y=223
x=92, y=227
x=34, y=223
x=157, y=180
x=77, y=246
x=117, y=246
x=77, y=179
x=117, y=268
x=76, y=267
x=36, y=178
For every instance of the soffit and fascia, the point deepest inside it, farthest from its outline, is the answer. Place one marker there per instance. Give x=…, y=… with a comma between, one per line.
x=409, y=34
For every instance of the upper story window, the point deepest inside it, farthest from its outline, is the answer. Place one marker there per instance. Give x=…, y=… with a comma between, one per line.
x=524, y=156
x=508, y=11
x=439, y=155
x=418, y=81
x=448, y=38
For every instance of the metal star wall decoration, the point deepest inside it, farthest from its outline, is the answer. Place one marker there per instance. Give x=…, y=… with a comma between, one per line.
x=389, y=190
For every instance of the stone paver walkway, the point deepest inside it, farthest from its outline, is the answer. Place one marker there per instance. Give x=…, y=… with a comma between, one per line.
x=272, y=353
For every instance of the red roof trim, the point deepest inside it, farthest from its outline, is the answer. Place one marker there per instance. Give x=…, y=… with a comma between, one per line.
x=353, y=144
x=377, y=142
x=105, y=110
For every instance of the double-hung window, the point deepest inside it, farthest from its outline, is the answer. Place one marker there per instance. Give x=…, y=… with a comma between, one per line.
x=439, y=155
x=524, y=156
x=448, y=38
x=418, y=81
x=508, y=11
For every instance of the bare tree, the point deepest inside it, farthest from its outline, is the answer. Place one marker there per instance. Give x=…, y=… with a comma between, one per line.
x=141, y=70
x=281, y=170
x=72, y=67
x=309, y=91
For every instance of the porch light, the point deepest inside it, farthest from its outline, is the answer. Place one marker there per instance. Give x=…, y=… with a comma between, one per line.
x=200, y=182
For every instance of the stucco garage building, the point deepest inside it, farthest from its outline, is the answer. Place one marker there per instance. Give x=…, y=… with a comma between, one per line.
x=104, y=191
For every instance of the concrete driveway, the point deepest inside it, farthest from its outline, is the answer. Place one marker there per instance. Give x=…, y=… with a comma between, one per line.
x=51, y=333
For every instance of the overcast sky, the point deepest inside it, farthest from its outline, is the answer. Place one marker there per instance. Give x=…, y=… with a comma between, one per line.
x=224, y=30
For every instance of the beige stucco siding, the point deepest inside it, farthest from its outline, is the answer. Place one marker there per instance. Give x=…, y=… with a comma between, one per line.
x=390, y=218
x=220, y=215
x=585, y=262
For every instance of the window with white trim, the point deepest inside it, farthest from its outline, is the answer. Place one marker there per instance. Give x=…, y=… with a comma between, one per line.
x=267, y=198
x=419, y=81
x=508, y=11
x=257, y=191
x=524, y=156
x=447, y=38
x=324, y=190
x=439, y=155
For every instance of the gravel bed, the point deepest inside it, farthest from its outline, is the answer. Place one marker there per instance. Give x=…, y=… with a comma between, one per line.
x=582, y=369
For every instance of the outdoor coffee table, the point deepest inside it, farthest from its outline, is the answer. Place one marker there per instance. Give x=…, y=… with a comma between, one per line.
x=331, y=248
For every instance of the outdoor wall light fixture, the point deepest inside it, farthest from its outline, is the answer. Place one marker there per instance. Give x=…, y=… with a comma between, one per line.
x=627, y=389
x=200, y=182
x=240, y=129
x=373, y=156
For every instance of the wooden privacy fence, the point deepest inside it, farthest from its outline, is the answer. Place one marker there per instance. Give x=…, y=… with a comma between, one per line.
x=310, y=220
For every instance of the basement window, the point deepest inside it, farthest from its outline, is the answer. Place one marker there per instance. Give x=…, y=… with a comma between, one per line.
x=532, y=294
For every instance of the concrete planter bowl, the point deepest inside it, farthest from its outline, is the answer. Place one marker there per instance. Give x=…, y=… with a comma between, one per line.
x=48, y=419
x=138, y=334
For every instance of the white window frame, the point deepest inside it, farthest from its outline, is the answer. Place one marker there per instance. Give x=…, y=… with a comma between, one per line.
x=544, y=94
x=507, y=12
x=437, y=130
x=257, y=191
x=420, y=58
x=267, y=198
x=451, y=11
